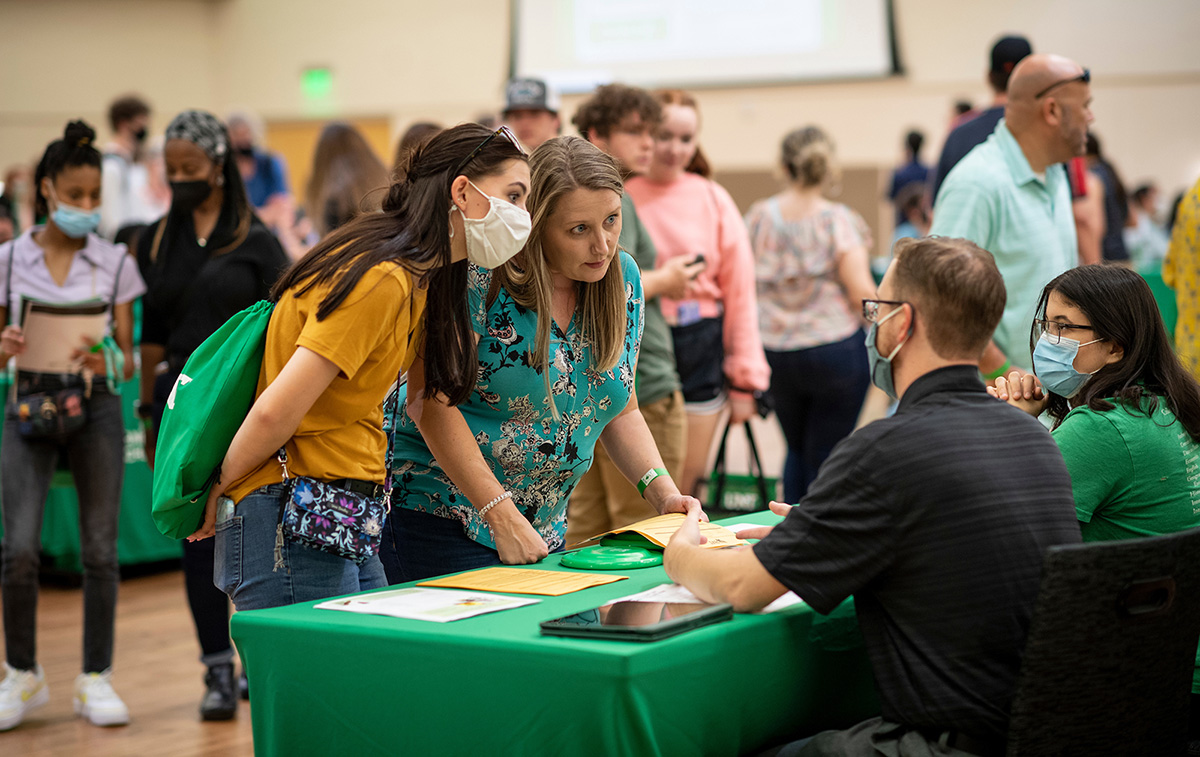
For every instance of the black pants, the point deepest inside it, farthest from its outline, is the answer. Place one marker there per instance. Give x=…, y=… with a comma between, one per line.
x=818, y=394
x=209, y=605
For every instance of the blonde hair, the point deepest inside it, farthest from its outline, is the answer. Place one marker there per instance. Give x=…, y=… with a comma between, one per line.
x=559, y=167
x=807, y=155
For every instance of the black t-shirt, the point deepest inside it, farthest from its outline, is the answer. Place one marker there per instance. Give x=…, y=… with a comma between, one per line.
x=191, y=291
x=936, y=520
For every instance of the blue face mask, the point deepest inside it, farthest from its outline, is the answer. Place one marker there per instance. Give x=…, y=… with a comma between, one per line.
x=1054, y=365
x=881, y=367
x=74, y=222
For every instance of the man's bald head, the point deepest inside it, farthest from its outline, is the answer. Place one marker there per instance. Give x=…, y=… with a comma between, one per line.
x=1048, y=108
x=1035, y=73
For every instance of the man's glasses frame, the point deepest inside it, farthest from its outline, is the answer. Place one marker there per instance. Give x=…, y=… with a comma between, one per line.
x=503, y=131
x=1085, y=77
x=870, y=308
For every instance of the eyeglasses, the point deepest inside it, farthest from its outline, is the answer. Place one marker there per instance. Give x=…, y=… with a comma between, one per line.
x=870, y=308
x=503, y=131
x=1085, y=77
x=1054, y=329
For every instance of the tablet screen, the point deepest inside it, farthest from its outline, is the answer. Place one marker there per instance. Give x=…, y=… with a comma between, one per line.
x=631, y=614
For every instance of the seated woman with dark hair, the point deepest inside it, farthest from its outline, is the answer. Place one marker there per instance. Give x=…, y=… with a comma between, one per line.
x=1126, y=414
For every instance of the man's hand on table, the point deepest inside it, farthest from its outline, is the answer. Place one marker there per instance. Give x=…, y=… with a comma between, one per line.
x=760, y=532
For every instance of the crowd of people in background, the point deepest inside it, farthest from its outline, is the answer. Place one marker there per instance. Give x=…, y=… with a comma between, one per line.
x=573, y=315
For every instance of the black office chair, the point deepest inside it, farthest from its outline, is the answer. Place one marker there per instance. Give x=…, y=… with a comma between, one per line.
x=1112, y=645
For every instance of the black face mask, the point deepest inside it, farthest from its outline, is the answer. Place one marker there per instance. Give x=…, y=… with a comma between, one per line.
x=140, y=135
x=186, y=196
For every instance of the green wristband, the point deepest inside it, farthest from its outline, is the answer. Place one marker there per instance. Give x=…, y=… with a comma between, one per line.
x=999, y=371
x=645, y=480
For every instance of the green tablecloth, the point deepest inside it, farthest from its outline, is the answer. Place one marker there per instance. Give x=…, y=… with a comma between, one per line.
x=328, y=682
x=138, y=540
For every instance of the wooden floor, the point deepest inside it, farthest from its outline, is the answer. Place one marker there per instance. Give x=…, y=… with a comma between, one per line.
x=156, y=672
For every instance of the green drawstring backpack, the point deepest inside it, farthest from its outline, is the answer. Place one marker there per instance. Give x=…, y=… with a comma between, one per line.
x=207, y=405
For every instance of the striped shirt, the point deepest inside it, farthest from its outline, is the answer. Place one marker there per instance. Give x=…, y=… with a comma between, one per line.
x=936, y=520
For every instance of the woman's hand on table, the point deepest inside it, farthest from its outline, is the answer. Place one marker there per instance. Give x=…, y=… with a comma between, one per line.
x=1021, y=390
x=517, y=541
x=760, y=532
x=679, y=503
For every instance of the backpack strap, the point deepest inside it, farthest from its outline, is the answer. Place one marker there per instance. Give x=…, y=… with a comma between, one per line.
x=12, y=253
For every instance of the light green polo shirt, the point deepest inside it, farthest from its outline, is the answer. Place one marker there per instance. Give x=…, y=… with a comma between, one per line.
x=993, y=198
x=656, y=377
x=1133, y=474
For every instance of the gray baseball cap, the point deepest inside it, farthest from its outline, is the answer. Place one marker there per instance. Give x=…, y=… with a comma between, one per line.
x=530, y=94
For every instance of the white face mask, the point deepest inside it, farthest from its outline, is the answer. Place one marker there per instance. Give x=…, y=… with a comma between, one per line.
x=495, y=238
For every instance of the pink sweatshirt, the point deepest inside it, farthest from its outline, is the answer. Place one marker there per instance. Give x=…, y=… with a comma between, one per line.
x=693, y=215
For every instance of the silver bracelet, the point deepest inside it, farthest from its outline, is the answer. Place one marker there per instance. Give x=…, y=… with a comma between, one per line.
x=484, y=510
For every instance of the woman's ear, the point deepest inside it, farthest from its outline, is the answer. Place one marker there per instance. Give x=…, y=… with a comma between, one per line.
x=1116, y=353
x=458, y=192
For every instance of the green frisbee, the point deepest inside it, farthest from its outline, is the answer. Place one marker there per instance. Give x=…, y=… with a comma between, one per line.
x=612, y=558
x=628, y=539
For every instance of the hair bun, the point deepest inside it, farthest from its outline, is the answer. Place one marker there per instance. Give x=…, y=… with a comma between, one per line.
x=78, y=134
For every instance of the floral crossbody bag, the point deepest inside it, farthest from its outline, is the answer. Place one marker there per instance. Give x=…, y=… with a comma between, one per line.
x=344, y=518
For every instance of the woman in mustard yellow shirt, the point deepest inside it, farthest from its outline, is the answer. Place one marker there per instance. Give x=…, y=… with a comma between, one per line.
x=348, y=320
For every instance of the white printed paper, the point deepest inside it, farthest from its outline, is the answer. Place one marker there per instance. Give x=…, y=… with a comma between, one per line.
x=435, y=605
x=679, y=594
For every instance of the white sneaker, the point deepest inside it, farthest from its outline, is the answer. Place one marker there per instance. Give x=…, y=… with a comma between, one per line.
x=96, y=700
x=20, y=692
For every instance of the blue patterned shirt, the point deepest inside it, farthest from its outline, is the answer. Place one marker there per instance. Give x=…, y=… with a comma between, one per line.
x=536, y=457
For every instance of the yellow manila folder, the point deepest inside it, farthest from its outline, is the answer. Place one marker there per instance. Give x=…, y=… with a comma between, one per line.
x=548, y=583
x=660, y=529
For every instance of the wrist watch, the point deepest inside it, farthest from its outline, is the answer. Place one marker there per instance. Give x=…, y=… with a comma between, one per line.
x=143, y=410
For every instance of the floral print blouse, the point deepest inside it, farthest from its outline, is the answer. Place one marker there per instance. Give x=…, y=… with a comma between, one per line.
x=536, y=457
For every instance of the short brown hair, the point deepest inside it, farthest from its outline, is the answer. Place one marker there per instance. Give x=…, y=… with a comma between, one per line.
x=125, y=109
x=956, y=287
x=610, y=104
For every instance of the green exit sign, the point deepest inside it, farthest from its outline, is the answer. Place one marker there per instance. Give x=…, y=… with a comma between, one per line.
x=317, y=83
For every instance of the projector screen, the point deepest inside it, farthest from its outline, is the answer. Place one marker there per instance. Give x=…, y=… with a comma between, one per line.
x=577, y=44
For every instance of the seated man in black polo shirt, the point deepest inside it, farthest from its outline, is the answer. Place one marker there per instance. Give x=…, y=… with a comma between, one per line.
x=935, y=519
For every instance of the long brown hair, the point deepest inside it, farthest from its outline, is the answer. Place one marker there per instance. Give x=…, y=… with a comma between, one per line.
x=413, y=230
x=1122, y=310
x=345, y=173
x=558, y=167
x=699, y=164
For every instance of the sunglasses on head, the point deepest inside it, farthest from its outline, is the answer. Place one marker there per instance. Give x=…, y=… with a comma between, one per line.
x=503, y=131
x=1085, y=77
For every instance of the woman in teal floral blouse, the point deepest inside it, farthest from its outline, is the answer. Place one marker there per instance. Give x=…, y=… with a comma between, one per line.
x=558, y=330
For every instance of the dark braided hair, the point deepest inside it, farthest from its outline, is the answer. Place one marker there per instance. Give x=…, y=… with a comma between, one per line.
x=76, y=148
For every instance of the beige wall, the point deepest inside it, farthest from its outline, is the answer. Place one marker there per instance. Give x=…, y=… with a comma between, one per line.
x=409, y=60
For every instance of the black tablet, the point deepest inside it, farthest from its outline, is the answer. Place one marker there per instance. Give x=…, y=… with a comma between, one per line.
x=637, y=621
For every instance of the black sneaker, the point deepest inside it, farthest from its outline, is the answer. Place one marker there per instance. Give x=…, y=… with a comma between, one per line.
x=243, y=686
x=220, y=701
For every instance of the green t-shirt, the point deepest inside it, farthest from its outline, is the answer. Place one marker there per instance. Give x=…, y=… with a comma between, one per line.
x=1132, y=475
x=656, y=376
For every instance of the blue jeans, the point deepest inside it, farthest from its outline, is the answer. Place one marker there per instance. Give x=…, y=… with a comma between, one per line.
x=96, y=455
x=244, y=565
x=818, y=394
x=418, y=545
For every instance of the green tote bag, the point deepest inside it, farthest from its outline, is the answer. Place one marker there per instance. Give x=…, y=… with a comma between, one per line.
x=207, y=405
